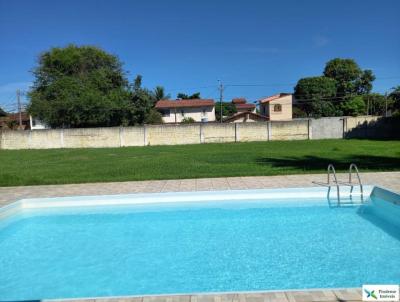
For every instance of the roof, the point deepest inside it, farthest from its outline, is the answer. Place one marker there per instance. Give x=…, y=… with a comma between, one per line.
x=15, y=117
x=273, y=97
x=245, y=106
x=250, y=115
x=238, y=100
x=164, y=104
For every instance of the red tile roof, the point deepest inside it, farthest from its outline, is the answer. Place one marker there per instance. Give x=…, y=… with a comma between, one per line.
x=245, y=106
x=273, y=97
x=239, y=101
x=162, y=104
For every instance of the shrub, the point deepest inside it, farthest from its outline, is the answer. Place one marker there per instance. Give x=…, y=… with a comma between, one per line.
x=188, y=120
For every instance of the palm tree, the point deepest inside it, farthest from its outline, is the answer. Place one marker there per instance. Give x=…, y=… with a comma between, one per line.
x=159, y=93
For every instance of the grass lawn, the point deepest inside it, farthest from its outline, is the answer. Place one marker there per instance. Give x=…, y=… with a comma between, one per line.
x=61, y=166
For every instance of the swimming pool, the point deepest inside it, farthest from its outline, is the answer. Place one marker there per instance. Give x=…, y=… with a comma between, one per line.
x=224, y=241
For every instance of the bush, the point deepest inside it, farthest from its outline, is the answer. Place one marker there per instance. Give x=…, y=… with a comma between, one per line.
x=154, y=117
x=355, y=106
x=188, y=120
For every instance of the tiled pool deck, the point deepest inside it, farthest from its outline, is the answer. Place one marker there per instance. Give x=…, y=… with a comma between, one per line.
x=340, y=295
x=390, y=180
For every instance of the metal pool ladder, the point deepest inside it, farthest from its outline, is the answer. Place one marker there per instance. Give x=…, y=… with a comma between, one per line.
x=335, y=182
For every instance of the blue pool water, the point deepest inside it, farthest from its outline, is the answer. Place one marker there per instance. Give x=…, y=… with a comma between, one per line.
x=185, y=248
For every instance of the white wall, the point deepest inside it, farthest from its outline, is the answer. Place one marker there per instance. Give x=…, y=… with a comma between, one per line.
x=196, y=113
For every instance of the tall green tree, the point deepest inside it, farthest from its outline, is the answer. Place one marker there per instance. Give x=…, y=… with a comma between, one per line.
x=141, y=109
x=350, y=78
x=315, y=96
x=79, y=86
x=185, y=96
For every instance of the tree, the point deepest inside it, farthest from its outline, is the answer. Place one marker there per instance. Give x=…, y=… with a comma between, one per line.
x=159, y=93
x=79, y=87
x=153, y=117
x=185, y=96
x=349, y=77
x=395, y=97
x=355, y=106
x=2, y=112
x=315, y=96
x=228, y=109
x=377, y=104
x=141, y=104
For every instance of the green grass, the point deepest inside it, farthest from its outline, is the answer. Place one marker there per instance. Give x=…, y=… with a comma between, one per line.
x=61, y=166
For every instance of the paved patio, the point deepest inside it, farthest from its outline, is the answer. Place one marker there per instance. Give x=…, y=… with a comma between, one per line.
x=390, y=180
x=340, y=295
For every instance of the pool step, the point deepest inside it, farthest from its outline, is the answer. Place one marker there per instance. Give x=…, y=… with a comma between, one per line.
x=335, y=183
x=346, y=202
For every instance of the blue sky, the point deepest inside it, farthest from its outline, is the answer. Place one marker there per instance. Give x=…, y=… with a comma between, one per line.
x=187, y=46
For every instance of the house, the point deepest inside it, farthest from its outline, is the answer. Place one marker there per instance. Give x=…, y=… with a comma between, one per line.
x=246, y=117
x=277, y=107
x=11, y=121
x=37, y=124
x=174, y=111
x=242, y=105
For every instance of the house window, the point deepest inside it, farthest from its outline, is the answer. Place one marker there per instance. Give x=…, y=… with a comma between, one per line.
x=183, y=112
x=204, y=111
x=277, y=108
x=165, y=112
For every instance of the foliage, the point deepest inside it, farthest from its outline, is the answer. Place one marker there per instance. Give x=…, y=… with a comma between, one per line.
x=314, y=95
x=395, y=97
x=153, y=117
x=377, y=104
x=159, y=93
x=12, y=124
x=298, y=112
x=333, y=93
x=228, y=109
x=2, y=112
x=141, y=104
x=188, y=120
x=79, y=87
x=355, y=106
x=349, y=77
x=59, y=166
x=185, y=96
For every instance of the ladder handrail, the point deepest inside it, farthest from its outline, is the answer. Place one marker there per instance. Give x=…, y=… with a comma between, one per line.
x=331, y=167
x=354, y=166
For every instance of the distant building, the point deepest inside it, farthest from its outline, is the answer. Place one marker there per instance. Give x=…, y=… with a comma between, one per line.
x=242, y=105
x=174, y=111
x=277, y=107
x=37, y=124
x=246, y=117
x=11, y=121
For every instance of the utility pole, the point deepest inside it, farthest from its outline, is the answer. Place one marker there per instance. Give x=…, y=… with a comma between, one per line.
x=221, y=95
x=19, y=108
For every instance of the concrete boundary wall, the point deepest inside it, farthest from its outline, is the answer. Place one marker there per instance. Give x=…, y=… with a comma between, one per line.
x=168, y=134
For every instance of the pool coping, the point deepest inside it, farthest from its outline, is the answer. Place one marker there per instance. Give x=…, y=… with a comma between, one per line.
x=288, y=295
